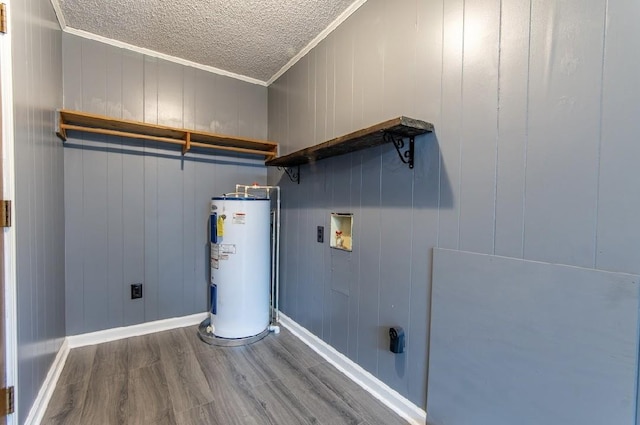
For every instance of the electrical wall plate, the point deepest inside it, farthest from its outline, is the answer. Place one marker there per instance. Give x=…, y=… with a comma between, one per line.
x=136, y=291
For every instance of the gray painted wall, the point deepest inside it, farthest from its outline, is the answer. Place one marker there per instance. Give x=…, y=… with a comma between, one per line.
x=534, y=103
x=136, y=211
x=39, y=199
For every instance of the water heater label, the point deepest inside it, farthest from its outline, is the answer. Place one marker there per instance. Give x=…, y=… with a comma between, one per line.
x=239, y=218
x=227, y=249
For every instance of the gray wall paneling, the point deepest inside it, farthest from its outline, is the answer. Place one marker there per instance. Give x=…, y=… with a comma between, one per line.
x=512, y=128
x=557, y=345
x=618, y=197
x=450, y=126
x=564, y=120
x=476, y=198
x=137, y=212
x=39, y=195
x=533, y=106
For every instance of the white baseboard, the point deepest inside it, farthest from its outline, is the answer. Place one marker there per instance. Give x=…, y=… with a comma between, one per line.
x=356, y=373
x=46, y=390
x=134, y=330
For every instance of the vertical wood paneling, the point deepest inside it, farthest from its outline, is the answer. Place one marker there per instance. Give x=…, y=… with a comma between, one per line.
x=479, y=133
x=326, y=200
x=170, y=202
x=370, y=255
x=355, y=189
x=190, y=286
x=226, y=105
x=399, y=64
x=132, y=189
x=512, y=128
x=619, y=198
x=369, y=63
x=426, y=186
x=138, y=211
x=396, y=235
x=424, y=225
x=204, y=177
x=115, y=235
x=293, y=231
x=449, y=132
x=330, y=123
x=170, y=233
x=170, y=94
x=73, y=188
x=321, y=93
x=72, y=58
x=343, y=81
x=151, y=240
x=39, y=204
x=564, y=116
x=341, y=261
x=305, y=238
x=516, y=93
x=94, y=237
x=317, y=269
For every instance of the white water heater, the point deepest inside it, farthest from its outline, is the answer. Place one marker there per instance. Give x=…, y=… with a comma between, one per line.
x=240, y=265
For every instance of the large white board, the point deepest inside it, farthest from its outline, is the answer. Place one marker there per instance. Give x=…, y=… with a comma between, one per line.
x=528, y=343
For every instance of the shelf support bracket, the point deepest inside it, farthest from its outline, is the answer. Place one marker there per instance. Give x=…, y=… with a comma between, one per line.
x=399, y=143
x=292, y=172
x=187, y=144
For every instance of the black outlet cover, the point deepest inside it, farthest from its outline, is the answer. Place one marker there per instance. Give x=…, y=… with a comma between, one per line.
x=320, y=234
x=136, y=291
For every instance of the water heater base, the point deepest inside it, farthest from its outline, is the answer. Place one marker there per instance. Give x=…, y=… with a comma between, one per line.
x=226, y=342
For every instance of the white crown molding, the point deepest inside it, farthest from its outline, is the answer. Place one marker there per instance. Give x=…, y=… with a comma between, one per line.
x=153, y=53
x=114, y=334
x=40, y=404
x=387, y=395
x=313, y=43
x=59, y=14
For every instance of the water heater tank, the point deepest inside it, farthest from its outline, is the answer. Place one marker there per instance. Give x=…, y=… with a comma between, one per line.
x=240, y=265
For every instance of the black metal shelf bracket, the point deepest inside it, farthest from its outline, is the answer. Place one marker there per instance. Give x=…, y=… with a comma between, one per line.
x=292, y=172
x=399, y=143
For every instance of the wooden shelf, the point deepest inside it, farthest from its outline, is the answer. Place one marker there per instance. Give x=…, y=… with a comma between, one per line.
x=398, y=128
x=100, y=124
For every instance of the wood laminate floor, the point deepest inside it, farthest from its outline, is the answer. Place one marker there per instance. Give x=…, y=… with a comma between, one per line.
x=172, y=378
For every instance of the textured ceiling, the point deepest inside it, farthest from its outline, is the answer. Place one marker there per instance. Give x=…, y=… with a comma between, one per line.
x=253, y=38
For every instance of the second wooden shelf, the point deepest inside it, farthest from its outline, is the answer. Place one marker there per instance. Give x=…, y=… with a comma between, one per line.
x=398, y=128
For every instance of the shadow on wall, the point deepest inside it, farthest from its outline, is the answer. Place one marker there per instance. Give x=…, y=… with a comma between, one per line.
x=361, y=174
x=127, y=146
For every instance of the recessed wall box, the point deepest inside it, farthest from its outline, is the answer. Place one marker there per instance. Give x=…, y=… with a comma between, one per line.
x=342, y=231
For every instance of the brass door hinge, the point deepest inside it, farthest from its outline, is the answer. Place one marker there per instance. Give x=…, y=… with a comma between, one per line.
x=7, y=400
x=3, y=18
x=5, y=213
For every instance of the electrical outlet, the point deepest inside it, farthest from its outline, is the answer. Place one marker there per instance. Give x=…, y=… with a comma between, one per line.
x=320, y=237
x=136, y=291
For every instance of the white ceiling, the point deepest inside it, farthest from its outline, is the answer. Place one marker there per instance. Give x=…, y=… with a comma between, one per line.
x=258, y=39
